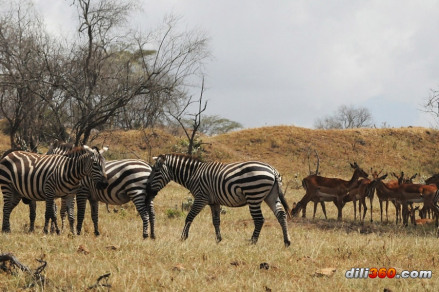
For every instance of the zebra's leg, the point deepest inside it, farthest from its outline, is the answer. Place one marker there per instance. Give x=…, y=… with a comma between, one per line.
x=141, y=206
x=63, y=212
x=49, y=215
x=258, y=220
x=69, y=203
x=81, y=204
x=216, y=219
x=10, y=201
x=151, y=215
x=94, y=208
x=32, y=215
x=55, y=213
x=196, y=208
x=275, y=205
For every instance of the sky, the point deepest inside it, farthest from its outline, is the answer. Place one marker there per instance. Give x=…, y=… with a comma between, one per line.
x=293, y=62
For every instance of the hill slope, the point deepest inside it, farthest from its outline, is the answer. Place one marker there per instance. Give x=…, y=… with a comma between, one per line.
x=412, y=150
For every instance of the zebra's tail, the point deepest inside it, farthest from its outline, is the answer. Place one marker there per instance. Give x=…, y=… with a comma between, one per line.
x=278, y=183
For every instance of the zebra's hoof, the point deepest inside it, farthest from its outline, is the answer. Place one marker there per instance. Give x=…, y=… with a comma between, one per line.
x=287, y=243
x=145, y=235
x=6, y=230
x=152, y=236
x=97, y=233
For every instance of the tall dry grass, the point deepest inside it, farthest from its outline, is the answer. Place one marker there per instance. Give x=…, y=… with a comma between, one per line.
x=199, y=264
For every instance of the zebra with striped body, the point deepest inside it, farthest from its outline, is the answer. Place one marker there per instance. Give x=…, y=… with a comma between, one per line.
x=127, y=180
x=45, y=177
x=215, y=184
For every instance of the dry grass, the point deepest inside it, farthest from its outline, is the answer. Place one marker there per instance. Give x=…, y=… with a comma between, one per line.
x=232, y=265
x=199, y=264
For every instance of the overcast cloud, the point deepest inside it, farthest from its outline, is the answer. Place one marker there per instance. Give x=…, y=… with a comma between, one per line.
x=291, y=62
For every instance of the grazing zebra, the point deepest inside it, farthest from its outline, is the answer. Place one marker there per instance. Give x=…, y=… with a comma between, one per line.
x=126, y=182
x=215, y=184
x=45, y=177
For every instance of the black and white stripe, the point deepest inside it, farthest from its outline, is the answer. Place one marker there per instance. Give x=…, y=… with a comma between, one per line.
x=127, y=180
x=215, y=184
x=45, y=177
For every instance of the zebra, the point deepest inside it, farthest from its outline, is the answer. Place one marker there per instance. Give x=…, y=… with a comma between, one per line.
x=215, y=184
x=126, y=182
x=43, y=177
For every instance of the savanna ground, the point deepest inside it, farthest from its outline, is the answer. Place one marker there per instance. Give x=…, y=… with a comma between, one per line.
x=74, y=263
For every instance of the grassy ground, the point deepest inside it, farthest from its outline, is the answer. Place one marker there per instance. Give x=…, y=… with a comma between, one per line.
x=75, y=262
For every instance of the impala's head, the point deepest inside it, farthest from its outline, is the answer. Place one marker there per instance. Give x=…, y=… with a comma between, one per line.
x=159, y=177
x=359, y=171
x=378, y=179
x=296, y=209
x=97, y=170
x=433, y=180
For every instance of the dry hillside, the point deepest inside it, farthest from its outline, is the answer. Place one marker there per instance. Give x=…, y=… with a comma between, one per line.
x=412, y=150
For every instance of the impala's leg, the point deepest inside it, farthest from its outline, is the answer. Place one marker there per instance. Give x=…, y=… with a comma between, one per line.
x=371, y=200
x=196, y=208
x=315, y=210
x=304, y=210
x=405, y=214
x=339, y=204
x=387, y=209
x=354, y=201
x=381, y=209
x=10, y=201
x=216, y=219
x=32, y=215
x=322, y=203
x=363, y=201
x=81, y=205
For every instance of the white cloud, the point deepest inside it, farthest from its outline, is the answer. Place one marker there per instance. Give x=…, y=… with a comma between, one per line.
x=290, y=62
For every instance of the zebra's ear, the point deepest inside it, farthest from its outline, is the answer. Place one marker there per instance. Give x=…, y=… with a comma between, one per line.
x=155, y=158
x=104, y=149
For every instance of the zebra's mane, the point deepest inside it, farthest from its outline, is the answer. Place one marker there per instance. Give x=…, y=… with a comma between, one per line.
x=183, y=155
x=75, y=151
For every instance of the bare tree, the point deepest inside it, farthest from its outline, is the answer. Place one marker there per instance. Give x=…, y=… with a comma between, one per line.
x=107, y=75
x=115, y=69
x=432, y=104
x=191, y=130
x=23, y=74
x=346, y=117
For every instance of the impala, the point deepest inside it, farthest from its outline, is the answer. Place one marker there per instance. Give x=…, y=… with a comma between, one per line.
x=320, y=188
x=364, y=189
x=407, y=193
x=386, y=194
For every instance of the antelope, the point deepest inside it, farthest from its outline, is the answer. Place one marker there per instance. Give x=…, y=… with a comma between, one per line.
x=320, y=188
x=304, y=201
x=383, y=195
x=411, y=193
x=363, y=189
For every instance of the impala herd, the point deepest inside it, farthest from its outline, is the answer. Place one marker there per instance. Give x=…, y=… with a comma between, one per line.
x=402, y=192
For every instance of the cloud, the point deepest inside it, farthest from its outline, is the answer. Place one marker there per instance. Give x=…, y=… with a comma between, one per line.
x=291, y=62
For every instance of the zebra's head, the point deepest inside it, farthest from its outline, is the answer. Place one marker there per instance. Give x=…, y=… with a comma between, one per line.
x=160, y=176
x=97, y=169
